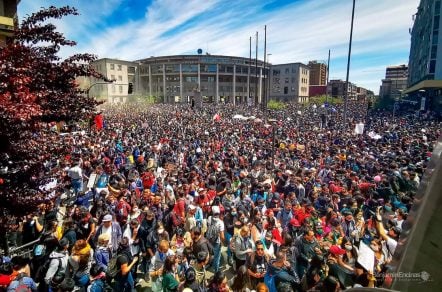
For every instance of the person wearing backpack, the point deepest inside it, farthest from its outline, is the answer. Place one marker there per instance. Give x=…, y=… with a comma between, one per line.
x=22, y=281
x=243, y=246
x=215, y=236
x=58, y=262
x=120, y=267
x=280, y=273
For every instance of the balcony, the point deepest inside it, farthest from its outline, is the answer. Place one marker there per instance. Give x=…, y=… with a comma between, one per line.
x=6, y=25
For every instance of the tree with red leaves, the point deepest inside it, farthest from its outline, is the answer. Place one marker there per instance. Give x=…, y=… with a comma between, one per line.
x=37, y=87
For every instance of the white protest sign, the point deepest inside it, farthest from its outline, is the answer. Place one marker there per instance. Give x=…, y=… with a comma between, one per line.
x=366, y=257
x=91, y=181
x=359, y=129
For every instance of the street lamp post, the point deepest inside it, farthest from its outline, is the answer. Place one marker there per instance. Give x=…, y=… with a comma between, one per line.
x=268, y=80
x=348, y=65
x=97, y=83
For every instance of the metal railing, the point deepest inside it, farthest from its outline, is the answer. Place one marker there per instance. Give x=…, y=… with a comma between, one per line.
x=24, y=250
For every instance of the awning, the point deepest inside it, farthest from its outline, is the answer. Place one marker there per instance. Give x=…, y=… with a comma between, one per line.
x=426, y=84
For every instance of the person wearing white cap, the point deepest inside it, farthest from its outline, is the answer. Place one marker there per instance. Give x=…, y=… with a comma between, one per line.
x=113, y=229
x=215, y=235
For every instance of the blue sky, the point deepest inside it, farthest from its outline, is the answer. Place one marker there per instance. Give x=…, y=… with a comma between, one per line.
x=297, y=30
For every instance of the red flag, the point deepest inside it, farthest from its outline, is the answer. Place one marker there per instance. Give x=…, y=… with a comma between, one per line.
x=99, y=122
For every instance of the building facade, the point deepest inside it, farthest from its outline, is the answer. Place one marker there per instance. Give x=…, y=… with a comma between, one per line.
x=337, y=88
x=395, y=82
x=425, y=61
x=318, y=73
x=289, y=82
x=178, y=79
x=8, y=15
x=122, y=72
x=426, y=43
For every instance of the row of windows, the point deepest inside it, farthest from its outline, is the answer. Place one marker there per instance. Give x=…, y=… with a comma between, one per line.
x=119, y=67
x=193, y=68
x=120, y=78
x=120, y=89
x=277, y=89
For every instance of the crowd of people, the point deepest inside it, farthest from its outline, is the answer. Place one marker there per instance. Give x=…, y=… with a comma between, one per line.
x=184, y=198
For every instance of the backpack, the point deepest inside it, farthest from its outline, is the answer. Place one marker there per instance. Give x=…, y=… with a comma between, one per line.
x=232, y=244
x=112, y=269
x=21, y=286
x=212, y=233
x=43, y=269
x=39, y=251
x=269, y=280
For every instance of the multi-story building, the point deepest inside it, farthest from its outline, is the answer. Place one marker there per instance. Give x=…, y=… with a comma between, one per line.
x=8, y=15
x=336, y=88
x=425, y=61
x=395, y=82
x=178, y=79
x=122, y=72
x=289, y=82
x=318, y=73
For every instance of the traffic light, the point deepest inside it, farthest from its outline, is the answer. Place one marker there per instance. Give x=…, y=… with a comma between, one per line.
x=130, y=89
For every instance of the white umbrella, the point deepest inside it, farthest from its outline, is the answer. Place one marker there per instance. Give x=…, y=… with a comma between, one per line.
x=239, y=117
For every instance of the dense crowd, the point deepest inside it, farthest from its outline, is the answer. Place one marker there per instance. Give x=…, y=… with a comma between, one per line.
x=183, y=198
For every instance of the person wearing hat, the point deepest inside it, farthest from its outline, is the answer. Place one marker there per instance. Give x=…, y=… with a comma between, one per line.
x=337, y=266
x=113, y=229
x=58, y=262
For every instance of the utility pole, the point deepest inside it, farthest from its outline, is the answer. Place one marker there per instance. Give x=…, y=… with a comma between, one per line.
x=348, y=66
x=256, y=71
x=248, y=77
x=264, y=104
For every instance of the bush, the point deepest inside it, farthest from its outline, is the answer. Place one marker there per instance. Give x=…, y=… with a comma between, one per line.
x=276, y=105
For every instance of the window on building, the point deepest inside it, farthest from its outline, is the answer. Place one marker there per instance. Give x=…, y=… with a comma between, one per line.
x=293, y=89
x=287, y=70
x=276, y=80
x=229, y=69
x=112, y=66
x=432, y=66
x=113, y=77
x=286, y=90
x=119, y=67
x=293, y=79
x=286, y=80
x=435, y=37
x=120, y=78
x=120, y=88
x=131, y=70
x=437, y=7
x=276, y=72
x=436, y=22
x=433, y=52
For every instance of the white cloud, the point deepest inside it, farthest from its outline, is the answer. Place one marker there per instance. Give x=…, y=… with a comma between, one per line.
x=301, y=31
